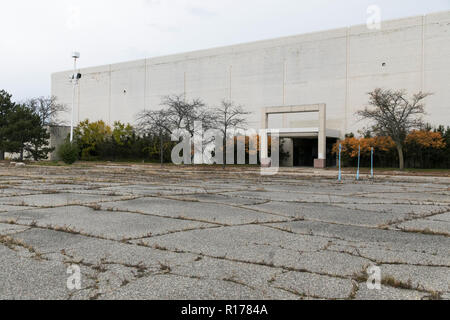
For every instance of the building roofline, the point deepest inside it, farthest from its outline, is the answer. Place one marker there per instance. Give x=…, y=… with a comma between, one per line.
x=209, y=52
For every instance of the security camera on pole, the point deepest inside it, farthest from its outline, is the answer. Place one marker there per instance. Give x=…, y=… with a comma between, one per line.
x=75, y=77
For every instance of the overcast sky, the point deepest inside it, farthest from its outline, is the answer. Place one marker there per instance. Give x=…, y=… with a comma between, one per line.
x=37, y=37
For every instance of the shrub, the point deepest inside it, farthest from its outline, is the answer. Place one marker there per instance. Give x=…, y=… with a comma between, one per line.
x=426, y=139
x=384, y=148
x=423, y=149
x=68, y=152
x=89, y=136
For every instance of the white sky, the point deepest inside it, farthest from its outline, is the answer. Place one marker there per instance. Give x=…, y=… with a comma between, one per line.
x=37, y=37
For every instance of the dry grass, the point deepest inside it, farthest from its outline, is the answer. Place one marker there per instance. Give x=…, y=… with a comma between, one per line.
x=158, y=247
x=390, y=281
x=434, y=296
x=13, y=244
x=355, y=289
x=232, y=279
x=164, y=267
x=360, y=277
x=94, y=206
x=426, y=231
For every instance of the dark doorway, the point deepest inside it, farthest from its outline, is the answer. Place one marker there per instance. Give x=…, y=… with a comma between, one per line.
x=305, y=151
x=331, y=158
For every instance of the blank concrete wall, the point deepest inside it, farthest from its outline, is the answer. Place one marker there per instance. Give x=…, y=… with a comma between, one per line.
x=437, y=66
x=128, y=83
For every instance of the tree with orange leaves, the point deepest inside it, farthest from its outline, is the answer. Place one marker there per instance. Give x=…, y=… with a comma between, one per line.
x=426, y=139
x=350, y=145
x=425, y=148
x=394, y=115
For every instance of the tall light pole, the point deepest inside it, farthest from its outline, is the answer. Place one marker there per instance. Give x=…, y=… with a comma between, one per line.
x=75, y=77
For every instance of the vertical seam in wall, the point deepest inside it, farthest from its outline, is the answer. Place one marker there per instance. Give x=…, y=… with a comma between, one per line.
x=229, y=85
x=346, y=78
x=145, y=83
x=284, y=81
x=424, y=17
x=184, y=86
x=149, y=84
x=109, y=96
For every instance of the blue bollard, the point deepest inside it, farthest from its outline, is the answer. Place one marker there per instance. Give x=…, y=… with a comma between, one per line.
x=359, y=162
x=371, y=163
x=340, y=172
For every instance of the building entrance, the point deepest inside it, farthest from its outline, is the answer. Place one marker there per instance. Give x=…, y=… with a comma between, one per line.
x=305, y=151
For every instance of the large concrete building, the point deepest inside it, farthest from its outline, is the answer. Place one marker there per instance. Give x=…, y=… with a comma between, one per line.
x=275, y=79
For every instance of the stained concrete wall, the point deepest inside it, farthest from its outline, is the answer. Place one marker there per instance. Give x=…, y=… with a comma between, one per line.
x=337, y=67
x=58, y=134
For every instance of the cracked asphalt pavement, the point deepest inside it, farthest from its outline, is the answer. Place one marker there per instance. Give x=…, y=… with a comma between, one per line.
x=145, y=232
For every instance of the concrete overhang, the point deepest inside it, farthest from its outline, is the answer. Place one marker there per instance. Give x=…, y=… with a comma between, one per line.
x=306, y=133
x=321, y=132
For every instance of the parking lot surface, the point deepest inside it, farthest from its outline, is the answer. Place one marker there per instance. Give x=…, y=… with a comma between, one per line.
x=145, y=232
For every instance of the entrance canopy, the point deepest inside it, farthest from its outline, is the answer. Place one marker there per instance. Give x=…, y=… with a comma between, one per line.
x=321, y=132
x=306, y=133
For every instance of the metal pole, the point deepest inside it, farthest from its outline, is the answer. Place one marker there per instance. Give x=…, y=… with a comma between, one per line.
x=371, y=163
x=340, y=172
x=359, y=162
x=337, y=159
x=161, y=148
x=74, y=82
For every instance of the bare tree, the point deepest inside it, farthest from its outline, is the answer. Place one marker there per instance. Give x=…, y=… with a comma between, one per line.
x=178, y=113
x=156, y=123
x=48, y=110
x=182, y=113
x=394, y=115
x=227, y=117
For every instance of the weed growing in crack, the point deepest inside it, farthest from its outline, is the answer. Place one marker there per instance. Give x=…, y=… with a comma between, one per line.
x=360, y=277
x=390, y=281
x=95, y=206
x=100, y=268
x=354, y=292
x=164, y=267
x=434, y=295
x=13, y=243
x=158, y=247
x=426, y=231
